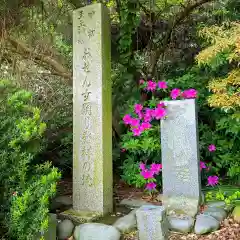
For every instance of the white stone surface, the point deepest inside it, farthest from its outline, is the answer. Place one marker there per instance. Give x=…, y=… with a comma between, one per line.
x=205, y=224
x=152, y=223
x=96, y=231
x=127, y=223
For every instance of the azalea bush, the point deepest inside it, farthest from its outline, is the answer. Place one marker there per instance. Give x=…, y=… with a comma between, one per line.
x=141, y=143
x=26, y=187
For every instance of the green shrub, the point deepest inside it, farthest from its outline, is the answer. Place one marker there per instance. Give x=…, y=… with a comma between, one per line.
x=25, y=186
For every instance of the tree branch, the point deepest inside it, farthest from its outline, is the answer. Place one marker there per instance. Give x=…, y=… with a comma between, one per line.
x=58, y=68
x=167, y=39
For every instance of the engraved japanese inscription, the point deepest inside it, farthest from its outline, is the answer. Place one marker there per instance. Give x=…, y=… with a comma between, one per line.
x=92, y=146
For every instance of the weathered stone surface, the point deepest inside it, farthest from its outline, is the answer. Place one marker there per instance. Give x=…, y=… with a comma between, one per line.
x=205, y=224
x=96, y=231
x=221, y=204
x=236, y=214
x=184, y=224
x=202, y=201
x=127, y=223
x=134, y=203
x=92, y=129
x=180, y=157
x=216, y=212
x=80, y=217
x=65, y=229
x=218, y=204
x=152, y=223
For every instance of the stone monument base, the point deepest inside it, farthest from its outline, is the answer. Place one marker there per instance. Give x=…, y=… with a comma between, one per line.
x=181, y=205
x=80, y=217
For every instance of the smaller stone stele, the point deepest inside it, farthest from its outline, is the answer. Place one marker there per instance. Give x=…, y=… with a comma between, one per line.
x=152, y=223
x=181, y=177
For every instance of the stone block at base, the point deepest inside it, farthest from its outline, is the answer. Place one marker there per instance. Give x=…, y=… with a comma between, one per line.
x=152, y=223
x=181, y=205
x=80, y=217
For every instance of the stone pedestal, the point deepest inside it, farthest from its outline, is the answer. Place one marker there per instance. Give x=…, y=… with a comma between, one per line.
x=152, y=223
x=92, y=119
x=180, y=158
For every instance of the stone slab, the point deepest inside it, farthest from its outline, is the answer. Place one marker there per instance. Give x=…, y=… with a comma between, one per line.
x=152, y=223
x=78, y=217
x=180, y=157
x=96, y=231
x=92, y=111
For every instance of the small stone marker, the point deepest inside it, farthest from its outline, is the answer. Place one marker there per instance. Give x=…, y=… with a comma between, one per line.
x=92, y=119
x=152, y=223
x=180, y=158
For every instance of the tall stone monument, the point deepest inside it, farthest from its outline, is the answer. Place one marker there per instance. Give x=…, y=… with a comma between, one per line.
x=180, y=158
x=92, y=119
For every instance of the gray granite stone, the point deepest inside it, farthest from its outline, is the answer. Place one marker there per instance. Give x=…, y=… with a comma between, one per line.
x=96, y=231
x=134, y=203
x=152, y=223
x=216, y=212
x=127, y=223
x=202, y=201
x=92, y=111
x=205, y=224
x=180, y=157
x=219, y=204
x=184, y=224
x=236, y=214
x=65, y=229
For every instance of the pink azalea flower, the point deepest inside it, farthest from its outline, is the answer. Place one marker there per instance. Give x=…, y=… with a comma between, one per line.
x=161, y=105
x=147, y=118
x=134, y=122
x=140, y=115
x=202, y=165
x=156, y=168
x=151, y=86
x=160, y=113
x=162, y=85
x=147, y=174
x=175, y=93
x=142, y=166
x=213, y=180
x=148, y=115
x=127, y=119
x=212, y=148
x=137, y=131
x=138, y=108
x=123, y=150
x=189, y=93
x=141, y=81
x=150, y=186
x=145, y=125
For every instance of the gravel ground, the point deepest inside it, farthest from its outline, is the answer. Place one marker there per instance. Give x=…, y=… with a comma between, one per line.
x=229, y=230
